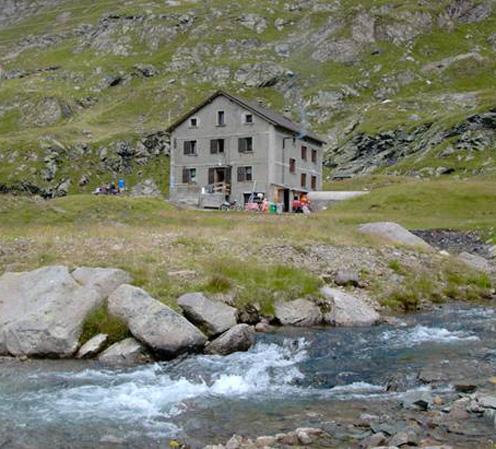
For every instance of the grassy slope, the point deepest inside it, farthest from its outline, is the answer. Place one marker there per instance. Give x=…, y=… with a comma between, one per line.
x=144, y=105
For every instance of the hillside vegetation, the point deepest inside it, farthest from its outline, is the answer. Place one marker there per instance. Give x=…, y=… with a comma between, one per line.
x=255, y=258
x=396, y=87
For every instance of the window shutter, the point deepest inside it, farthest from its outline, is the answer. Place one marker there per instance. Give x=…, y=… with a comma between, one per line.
x=187, y=147
x=185, y=176
x=213, y=147
x=241, y=145
x=211, y=175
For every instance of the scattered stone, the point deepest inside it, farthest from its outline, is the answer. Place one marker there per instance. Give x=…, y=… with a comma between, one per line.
x=475, y=262
x=347, y=278
x=127, y=351
x=393, y=233
x=167, y=333
x=249, y=314
x=239, y=338
x=104, y=280
x=408, y=437
x=348, y=310
x=300, y=312
x=263, y=326
x=288, y=439
x=417, y=399
x=265, y=441
x=487, y=401
x=373, y=440
x=212, y=317
x=92, y=347
x=42, y=312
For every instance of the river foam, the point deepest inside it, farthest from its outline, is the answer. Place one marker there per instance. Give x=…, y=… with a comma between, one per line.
x=423, y=334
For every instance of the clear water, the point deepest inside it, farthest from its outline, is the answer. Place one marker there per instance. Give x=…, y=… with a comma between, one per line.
x=291, y=378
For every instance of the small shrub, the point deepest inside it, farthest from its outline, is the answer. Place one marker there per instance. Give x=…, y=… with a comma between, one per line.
x=396, y=266
x=218, y=284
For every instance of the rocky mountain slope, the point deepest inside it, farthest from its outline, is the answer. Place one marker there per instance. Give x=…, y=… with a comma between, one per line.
x=86, y=88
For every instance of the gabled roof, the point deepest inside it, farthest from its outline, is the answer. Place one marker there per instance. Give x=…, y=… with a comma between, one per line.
x=273, y=117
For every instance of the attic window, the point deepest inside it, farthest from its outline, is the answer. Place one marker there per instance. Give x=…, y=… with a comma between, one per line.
x=193, y=122
x=248, y=119
x=221, y=118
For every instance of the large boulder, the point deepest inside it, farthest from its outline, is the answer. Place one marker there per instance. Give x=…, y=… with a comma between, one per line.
x=127, y=351
x=212, y=316
x=475, y=262
x=104, y=280
x=300, y=312
x=42, y=312
x=92, y=347
x=167, y=333
x=240, y=338
x=348, y=310
x=394, y=233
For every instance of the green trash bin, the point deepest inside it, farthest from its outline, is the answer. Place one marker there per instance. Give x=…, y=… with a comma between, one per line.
x=273, y=208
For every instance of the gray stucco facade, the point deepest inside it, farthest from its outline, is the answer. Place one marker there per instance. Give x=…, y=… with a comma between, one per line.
x=257, y=154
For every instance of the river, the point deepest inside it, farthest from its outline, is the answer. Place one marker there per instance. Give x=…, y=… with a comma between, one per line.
x=290, y=378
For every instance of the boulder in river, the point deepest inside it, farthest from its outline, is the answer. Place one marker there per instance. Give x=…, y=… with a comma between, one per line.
x=128, y=351
x=300, y=312
x=42, y=312
x=239, y=338
x=92, y=347
x=212, y=316
x=104, y=280
x=394, y=233
x=167, y=333
x=348, y=310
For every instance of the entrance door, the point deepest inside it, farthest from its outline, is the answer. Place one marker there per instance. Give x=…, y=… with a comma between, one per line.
x=286, y=200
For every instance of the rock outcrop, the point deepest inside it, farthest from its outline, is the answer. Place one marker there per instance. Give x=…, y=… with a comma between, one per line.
x=42, y=312
x=239, y=338
x=393, y=233
x=212, y=317
x=104, y=280
x=125, y=352
x=163, y=330
x=300, y=312
x=475, y=262
x=348, y=310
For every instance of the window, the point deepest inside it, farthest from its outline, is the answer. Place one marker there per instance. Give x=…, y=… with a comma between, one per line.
x=217, y=146
x=292, y=166
x=314, y=156
x=245, y=144
x=221, y=118
x=304, y=153
x=303, y=179
x=193, y=122
x=314, y=182
x=189, y=175
x=245, y=174
x=248, y=119
x=190, y=147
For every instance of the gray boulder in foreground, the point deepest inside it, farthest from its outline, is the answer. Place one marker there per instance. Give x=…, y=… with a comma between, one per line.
x=128, y=351
x=212, y=316
x=475, y=262
x=104, y=280
x=348, y=310
x=239, y=338
x=163, y=330
x=92, y=347
x=300, y=312
x=42, y=312
x=394, y=233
